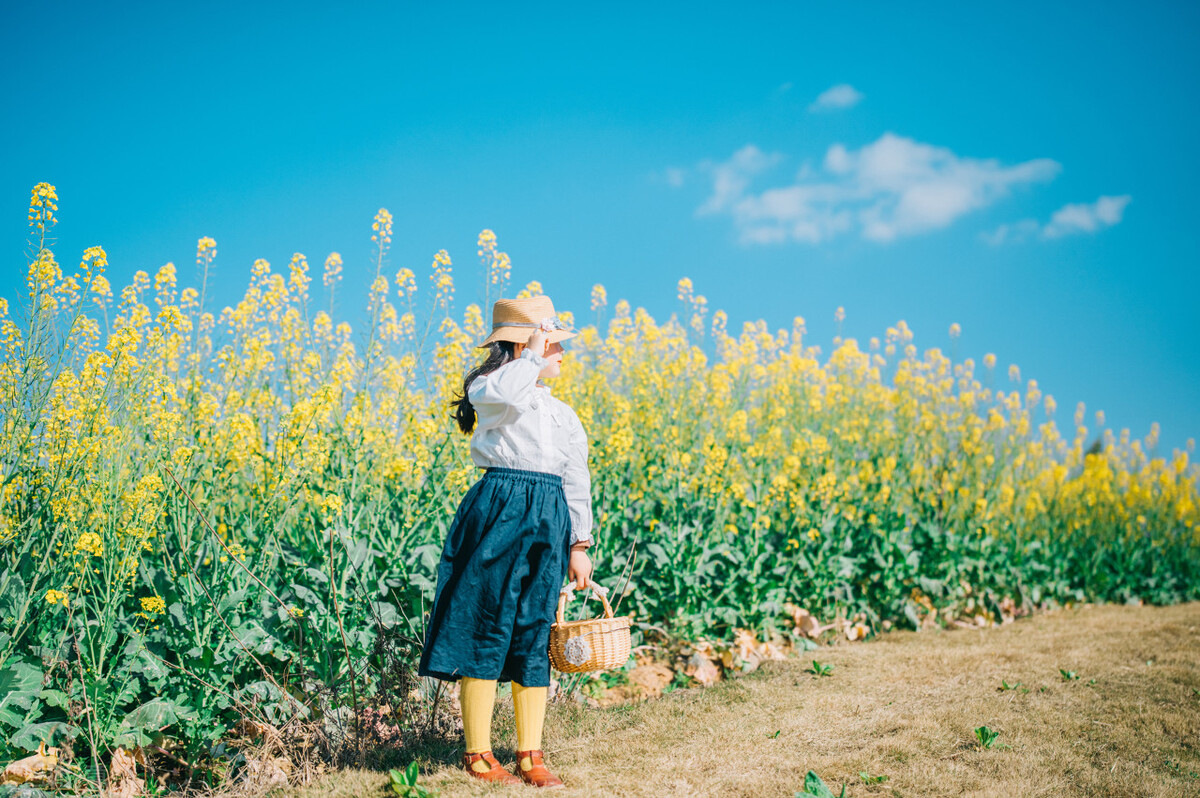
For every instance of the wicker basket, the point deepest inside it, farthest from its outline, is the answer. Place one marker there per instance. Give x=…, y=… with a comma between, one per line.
x=592, y=644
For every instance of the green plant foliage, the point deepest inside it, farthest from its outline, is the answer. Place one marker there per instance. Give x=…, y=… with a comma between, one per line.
x=987, y=738
x=818, y=669
x=216, y=517
x=814, y=787
x=404, y=783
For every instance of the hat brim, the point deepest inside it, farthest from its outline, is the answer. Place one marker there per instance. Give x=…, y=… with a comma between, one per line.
x=520, y=335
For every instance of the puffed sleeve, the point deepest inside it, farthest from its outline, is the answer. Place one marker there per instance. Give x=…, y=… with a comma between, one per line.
x=577, y=484
x=502, y=395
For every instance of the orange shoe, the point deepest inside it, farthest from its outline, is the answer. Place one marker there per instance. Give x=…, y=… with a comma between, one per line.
x=537, y=775
x=497, y=773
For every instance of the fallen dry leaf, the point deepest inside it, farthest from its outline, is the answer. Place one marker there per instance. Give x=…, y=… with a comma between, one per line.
x=805, y=622
x=35, y=767
x=123, y=781
x=268, y=772
x=775, y=650
x=652, y=678
x=857, y=631
x=746, y=643
x=254, y=729
x=702, y=669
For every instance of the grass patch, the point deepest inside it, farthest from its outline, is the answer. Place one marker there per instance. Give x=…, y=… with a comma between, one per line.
x=906, y=707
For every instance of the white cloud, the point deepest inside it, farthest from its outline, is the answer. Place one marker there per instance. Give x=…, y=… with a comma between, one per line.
x=842, y=95
x=1017, y=231
x=890, y=188
x=674, y=176
x=1084, y=218
x=731, y=178
x=1078, y=217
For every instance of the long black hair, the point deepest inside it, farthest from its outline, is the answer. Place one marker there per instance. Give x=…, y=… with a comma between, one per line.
x=499, y=353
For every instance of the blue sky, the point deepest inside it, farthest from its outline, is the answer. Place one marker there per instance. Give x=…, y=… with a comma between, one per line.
x=1024, y=169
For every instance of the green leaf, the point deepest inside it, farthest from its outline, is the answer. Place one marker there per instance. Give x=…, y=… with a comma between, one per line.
x=312, y=601
x=661, y=560
x=386, y=613
x=815, y=787
x=317, y=576
x=50, y=733
x=253, y=636
x=152, y=716
x=231, y=601
x=931, y=587
x=910, y=612
x=53, y=698
x=11, y=599
x=153, y=671
x=155, y=714
x=358, y=553
x=20, y=682
x=986, y=736
x=427, y=556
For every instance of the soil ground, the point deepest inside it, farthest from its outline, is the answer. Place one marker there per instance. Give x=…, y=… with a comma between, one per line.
x=904, y=706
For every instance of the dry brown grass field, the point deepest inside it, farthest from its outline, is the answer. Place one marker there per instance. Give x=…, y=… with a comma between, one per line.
x=903, y=706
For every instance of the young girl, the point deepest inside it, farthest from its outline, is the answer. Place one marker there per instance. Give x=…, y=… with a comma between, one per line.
x=519, y=530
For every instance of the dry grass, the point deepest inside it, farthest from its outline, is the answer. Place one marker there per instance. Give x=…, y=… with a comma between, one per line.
x=904, y=706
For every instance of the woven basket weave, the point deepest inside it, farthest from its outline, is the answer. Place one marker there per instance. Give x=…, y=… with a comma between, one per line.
x=591, y=644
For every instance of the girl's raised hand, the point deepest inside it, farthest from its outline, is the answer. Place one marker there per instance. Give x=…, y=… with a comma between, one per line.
x=537, y=342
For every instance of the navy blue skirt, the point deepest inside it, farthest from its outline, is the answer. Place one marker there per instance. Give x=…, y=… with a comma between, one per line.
x=499, y=577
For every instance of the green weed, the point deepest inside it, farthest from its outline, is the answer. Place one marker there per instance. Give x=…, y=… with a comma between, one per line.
x=814, y=787
x=987, y=738
x=1178, y=770
x=404, y=783
x=818, y=669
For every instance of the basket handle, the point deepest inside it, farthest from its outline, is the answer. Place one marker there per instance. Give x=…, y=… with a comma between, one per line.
x=570, y=588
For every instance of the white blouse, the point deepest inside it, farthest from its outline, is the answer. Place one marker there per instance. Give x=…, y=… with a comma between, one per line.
x=521, y=425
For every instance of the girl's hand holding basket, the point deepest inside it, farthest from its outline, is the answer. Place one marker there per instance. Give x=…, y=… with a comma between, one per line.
x=591, y=644
x=579, y=568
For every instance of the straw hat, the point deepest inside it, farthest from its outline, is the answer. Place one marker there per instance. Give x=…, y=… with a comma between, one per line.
x=516, y=319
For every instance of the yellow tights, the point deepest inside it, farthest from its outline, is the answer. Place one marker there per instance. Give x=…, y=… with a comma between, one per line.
x=478, y=696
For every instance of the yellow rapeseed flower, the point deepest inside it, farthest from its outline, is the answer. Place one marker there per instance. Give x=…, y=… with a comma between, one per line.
x=333, y=269
x=90, y=543
x=599, y=297
x=331, y=508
